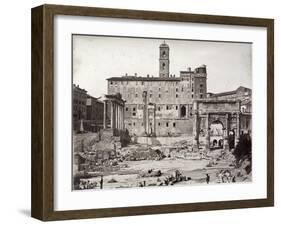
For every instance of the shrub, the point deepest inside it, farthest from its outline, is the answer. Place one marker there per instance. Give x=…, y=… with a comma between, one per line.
x=125, y=138
x=244, y=148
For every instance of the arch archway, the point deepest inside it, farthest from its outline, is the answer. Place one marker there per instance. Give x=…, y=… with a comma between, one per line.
x=183, y=111
x=216, y=131
x=216, y=128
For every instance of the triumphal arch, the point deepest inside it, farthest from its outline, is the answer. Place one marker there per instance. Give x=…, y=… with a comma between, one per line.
x=226, y=113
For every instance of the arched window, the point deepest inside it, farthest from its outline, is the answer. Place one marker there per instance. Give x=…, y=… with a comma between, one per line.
x=163, y=66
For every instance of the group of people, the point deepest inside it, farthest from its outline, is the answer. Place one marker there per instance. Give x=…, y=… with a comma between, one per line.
x=88, y=184
x=225, y=176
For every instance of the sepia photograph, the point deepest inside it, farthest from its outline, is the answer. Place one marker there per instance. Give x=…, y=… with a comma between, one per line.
x=151, y=112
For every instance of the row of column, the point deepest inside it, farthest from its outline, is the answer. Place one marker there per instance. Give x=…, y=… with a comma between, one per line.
x=116, y=115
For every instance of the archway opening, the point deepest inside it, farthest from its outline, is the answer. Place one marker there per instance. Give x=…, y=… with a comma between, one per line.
x=216, y=134
x=215, y=143
x=216, y=128
x=183, y=111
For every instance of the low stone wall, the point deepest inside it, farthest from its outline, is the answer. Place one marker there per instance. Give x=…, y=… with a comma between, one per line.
x=161, y=140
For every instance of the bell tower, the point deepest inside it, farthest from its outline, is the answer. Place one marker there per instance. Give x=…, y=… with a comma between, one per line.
x=164, y=61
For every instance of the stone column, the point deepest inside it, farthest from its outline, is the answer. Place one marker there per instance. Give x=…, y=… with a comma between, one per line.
x=115, y=114
x=237, y=134
x=104, y=114
x=120, y=123
x=147, y=119
x=207, y=136
x=111, y=115
x=196, y=127
x=226, y=133
x=154, y=119
x=118, y=116
x=123, y=117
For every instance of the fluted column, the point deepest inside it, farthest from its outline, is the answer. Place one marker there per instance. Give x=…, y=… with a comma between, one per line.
x=123, y=118
x=226, y=132
x=111, y=115
x=118, y=117
x=237, y=134
x=207, y=141
x=196, y=127
x=115, y=116
x=104, y=114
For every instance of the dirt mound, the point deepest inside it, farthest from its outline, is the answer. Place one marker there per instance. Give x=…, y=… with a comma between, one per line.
x=141, y=153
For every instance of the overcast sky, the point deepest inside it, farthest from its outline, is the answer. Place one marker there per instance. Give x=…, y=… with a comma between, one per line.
x=96, y=58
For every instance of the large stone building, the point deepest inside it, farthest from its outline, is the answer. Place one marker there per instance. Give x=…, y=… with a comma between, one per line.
x=94, y=113
x=87, y=109
x=79, y=99
x=160, y=106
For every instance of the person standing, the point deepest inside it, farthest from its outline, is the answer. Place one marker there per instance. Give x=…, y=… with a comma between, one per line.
x=207, y=178
x=101, y=181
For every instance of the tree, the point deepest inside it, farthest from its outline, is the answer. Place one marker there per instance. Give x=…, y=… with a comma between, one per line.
x=244, y=148
x=125, y=138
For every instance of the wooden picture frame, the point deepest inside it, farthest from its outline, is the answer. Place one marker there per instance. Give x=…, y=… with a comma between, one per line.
x=43, y=107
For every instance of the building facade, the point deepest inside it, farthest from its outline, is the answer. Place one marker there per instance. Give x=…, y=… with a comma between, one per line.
x=87, y=109
x=79, y=98
x=160, y=106
x=94, y=113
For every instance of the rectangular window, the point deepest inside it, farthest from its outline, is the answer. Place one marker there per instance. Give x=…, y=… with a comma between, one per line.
x=136, y=95
x=127, y=109
x=201, y=96
x=174, y=124
x=191, y=95
x=134, y=109
x=134, y=124
x=201, y=85
x=159, y=95
x=167, y=107
x=159, y=124
x=150, y=95
x=159, y=108
x=134, y=113
x=167, y=124
x=177, y=89
x=177, y=95
x=176, y=107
